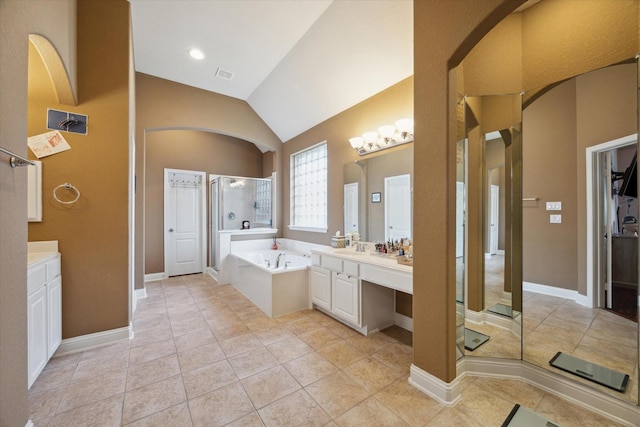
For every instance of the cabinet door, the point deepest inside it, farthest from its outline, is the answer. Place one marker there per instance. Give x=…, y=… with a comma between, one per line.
x=321, y=287
x=54, y=311
x=37, y=332
x=346, y=301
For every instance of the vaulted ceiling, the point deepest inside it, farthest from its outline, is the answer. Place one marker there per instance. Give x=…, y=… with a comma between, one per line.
x=296, y=62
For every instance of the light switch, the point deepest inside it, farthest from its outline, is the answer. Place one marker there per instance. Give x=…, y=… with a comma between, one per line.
x=555, y=219
x=554, y=206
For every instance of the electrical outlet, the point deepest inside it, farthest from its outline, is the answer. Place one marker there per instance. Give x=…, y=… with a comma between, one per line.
x=555, y=219
x=554, y=206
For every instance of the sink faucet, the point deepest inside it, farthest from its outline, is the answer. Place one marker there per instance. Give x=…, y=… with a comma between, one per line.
x=278, y=259
x=360, y=247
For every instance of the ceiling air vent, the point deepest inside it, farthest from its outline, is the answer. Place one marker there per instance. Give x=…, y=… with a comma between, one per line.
x=224, y=74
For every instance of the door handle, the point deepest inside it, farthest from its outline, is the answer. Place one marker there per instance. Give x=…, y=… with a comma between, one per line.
x=171, y=230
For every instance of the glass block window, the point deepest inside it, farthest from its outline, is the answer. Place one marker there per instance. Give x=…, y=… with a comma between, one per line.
x=309, y=189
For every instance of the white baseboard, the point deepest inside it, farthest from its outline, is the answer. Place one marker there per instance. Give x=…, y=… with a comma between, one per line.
x=577, y=393
x=154, y=276
x=140, y=293
x=405, y=322
x=446, y=393
x=492, y=319
x=90, y=341
x=556, y=292
x=213, y=273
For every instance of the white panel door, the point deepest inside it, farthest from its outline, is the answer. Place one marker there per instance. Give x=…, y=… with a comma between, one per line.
x=184, y=221
x=494, y=218
x=54, y=314
x=351, y=207
x=397, y=207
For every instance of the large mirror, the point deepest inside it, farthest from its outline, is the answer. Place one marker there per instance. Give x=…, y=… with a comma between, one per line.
x=577, y=218
x=374, y=188
x=493, y=321
x=580, y=230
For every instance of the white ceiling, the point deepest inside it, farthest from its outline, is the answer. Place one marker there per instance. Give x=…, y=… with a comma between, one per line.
x=296, y=62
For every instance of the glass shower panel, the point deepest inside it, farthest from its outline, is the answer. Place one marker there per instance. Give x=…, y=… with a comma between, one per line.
x=245, y=199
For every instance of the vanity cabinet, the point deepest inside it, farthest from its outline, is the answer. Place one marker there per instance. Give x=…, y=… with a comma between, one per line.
x=334, y=290
x=320, y=279
x=44, y=313
x=345, y=302
x=356, y=288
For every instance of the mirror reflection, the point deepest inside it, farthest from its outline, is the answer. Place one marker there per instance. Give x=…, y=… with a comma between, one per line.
x=378, y=195
x=580, y=229
x=493, y=319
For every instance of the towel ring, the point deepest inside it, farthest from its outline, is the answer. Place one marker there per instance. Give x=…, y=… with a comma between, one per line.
x=66, y=186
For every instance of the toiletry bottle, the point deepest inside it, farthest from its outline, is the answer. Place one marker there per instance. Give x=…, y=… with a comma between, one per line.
x=348, y=239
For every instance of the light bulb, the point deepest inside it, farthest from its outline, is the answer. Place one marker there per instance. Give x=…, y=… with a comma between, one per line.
x=405, y=125
x=196, y=53
x=387, y=131
x=356, y=142
x=370, y=137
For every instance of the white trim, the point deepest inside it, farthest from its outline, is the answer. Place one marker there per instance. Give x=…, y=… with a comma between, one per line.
x=487, y=255
x=591, y=298
x=154, y=276
x=140, y=293
x=90, y=341
x=309, y=229
x=575, y=392
x=446, y=393
x=510, y=324
x=556, y=292
x=405, y=322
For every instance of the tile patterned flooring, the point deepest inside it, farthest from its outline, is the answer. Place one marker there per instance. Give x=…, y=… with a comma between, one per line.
x=552, y=324
x=204, y=355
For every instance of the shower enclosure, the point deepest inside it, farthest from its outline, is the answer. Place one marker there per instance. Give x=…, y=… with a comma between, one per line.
x=237, y=203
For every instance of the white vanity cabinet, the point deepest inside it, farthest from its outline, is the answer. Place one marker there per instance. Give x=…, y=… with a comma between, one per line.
x=356, y=288
x=320, y=279
x=345, y=302
x=44, y=312
x=335, y=288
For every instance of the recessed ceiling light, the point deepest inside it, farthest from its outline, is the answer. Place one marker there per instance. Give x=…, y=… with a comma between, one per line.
x=196, y=53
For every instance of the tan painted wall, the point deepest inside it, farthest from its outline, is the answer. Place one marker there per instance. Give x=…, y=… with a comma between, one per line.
x=190, y=150
x=93, y=233
x=162, y=104
x=383, y=108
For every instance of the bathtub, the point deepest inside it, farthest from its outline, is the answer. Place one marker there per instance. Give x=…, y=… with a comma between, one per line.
x=276, y=290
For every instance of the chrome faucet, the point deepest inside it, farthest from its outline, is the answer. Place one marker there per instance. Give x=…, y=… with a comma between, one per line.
x=278, y=259
x=360, y=247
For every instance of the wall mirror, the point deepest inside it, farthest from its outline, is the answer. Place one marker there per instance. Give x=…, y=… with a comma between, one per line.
x=391, y=175
x=493, y=320
x=580, y=265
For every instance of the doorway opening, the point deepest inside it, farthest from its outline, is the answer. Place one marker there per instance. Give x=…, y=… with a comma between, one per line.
x=612, y=220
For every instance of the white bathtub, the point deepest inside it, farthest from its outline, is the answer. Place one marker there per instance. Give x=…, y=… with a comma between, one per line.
x=277, y=288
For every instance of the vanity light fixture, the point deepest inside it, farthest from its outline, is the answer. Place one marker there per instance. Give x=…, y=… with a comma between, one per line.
x=387, y=136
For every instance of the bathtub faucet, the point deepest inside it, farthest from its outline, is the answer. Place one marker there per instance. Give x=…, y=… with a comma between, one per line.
x=278, y=259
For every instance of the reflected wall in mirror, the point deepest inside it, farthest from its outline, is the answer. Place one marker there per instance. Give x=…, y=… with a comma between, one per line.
x=493, y=305
x=579, y=235
x=461, y=147
x=379, y=174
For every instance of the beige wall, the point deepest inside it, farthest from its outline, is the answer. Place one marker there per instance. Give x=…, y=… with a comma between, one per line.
x=190, y=150
x=92, y=234
x=383, y=108
x=161, y=105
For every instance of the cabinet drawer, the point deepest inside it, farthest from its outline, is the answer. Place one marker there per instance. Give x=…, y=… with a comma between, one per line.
x=53, y=269
x=331, y=263
x=350, y=268
x=36, y=277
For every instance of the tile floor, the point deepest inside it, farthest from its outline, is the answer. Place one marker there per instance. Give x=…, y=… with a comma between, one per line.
x=205, y=355
x=552, y=324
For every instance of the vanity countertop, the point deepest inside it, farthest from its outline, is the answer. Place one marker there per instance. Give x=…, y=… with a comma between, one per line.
x=41, y=251
x=366, y=258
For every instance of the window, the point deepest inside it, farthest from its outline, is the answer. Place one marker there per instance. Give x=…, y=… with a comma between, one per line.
x=309, y=189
